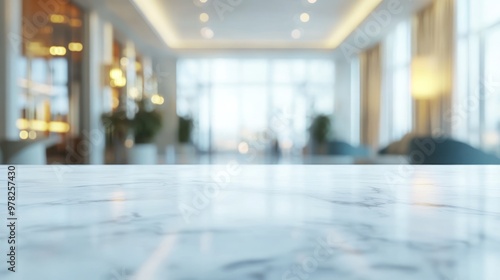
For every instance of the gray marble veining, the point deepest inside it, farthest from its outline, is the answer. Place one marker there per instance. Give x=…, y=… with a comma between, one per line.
x=255, y=222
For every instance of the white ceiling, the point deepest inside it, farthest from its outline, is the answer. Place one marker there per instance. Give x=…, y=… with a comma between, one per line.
x=174, y=25
x=255, y=22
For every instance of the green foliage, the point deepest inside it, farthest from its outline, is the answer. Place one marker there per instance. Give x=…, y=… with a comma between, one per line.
x=145, y=124
x=320, y=128
x=116, y=123
x=185, y=129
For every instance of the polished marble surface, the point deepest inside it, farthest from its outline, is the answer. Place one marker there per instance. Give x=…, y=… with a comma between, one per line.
x=255, y=222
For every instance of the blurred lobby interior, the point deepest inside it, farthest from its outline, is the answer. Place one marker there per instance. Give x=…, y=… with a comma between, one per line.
x=256, y=81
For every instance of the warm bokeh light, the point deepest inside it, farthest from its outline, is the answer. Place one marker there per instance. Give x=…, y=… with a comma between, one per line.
x=207, y=33
x=23, y=135
x=32, y=135
x=59, y=127
x=204, y=17
x=138, y=66
x=304, y=17
x=424, y=77
x=157, y=99
x=37, y=48
x=243, y=148
x=124, y=61
x=116, y=73
x=57, y=18
x=39, y=125
x=134, y=93
x=120, y=82
x=129, y=143
x=116, y=102
x=57, y=50
x=75, y=47
x=296, y=34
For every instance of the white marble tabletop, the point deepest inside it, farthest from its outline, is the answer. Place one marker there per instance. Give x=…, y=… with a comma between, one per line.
x=254, y=222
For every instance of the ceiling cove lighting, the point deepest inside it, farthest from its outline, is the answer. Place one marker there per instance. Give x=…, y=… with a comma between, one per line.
x=152, y=12
x=360, y=12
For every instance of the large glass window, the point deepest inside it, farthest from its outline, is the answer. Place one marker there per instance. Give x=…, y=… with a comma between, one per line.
x=50, y=69
x=396, y=118
x=237, y=100
x=477, y=81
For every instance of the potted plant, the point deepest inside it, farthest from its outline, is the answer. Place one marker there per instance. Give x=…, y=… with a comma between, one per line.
x=144, y=126
x=116, y=125
x=319, y=131
x=185, y=129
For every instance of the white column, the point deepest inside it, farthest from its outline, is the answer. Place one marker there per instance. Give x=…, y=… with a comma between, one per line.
x=343, y=101
x=130, y=54
x=10, y=52
x=147, y=71
x=107, y=60
x=97, y=44
x=166, y=69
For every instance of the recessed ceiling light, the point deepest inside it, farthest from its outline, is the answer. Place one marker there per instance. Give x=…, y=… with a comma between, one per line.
x=296, y=34
x=304, y=17
x=203, y=1
x=311, y=1
x=207, y=33
x=204, y=17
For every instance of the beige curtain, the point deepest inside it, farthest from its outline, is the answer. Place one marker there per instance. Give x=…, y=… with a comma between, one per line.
x=433, y=35
x=371, y=84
